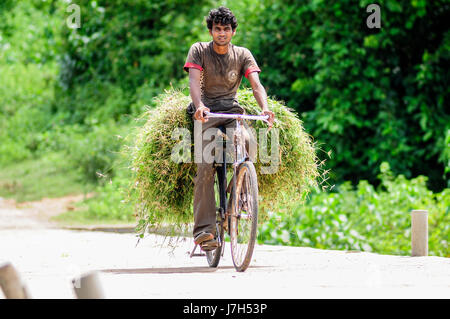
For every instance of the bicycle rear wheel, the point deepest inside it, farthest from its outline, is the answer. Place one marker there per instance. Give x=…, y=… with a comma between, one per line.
x=244, y=218
x=213, y=257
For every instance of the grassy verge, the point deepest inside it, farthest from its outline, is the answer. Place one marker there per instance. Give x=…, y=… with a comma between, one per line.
x=52, y=176
x=49, y=176
x=107, y=206
x=82, y=216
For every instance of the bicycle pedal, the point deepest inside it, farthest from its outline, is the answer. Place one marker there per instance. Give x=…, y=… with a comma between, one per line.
x=193, y=251
x=193, y=254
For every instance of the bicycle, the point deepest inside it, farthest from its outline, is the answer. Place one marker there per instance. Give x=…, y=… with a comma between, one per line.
x=238, y=214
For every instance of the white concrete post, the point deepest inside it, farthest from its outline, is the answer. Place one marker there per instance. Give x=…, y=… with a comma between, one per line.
x=10, y=283
x=419, y=233
x=88, y=286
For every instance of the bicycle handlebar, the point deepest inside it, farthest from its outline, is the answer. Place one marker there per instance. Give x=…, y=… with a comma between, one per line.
x=237, y=116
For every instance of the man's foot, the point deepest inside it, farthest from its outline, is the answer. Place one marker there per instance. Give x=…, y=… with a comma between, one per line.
x=203, y=236
x=209, y=245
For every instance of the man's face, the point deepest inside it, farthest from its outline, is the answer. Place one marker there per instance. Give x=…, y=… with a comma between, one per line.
x=222, y=34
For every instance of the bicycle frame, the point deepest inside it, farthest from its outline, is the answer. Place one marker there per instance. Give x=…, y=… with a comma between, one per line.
x=239, y=146
x=239, y=152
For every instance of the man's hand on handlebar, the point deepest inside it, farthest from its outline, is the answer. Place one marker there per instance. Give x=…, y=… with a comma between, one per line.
x=271, y=118
x=200, y=114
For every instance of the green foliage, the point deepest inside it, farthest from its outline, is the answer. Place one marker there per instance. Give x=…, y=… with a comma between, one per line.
x=29, y=32
x=49, y=176
x=370, y=96
x=109, y=204
x=131, y=42
x=91, y=103
x=113, y=199
x=92, y=150
x=28, y=49
x=364, y=218
x=445, y=157
x=24, y=94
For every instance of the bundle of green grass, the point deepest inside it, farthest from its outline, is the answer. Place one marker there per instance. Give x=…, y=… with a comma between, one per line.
x=164, y=188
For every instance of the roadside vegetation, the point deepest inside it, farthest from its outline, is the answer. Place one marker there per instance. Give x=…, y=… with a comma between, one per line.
x=374, y=100
x=364, y=218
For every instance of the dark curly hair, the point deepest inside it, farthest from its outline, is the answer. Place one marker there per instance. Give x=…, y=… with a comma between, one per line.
x=221, y=16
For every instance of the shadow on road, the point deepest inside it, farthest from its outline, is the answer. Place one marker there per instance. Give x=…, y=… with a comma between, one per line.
x=176, y=270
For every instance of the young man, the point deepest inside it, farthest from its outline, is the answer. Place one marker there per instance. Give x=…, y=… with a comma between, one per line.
x=215, y=73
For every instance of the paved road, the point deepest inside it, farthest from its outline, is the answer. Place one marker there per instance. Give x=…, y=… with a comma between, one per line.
x=48, y=258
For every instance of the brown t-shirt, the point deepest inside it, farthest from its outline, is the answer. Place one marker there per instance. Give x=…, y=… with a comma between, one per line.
x=221, y=73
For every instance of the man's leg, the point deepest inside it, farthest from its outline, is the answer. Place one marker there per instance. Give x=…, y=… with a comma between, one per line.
x=204, y=198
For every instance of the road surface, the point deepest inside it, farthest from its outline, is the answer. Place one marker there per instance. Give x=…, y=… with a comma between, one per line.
x=48, y=258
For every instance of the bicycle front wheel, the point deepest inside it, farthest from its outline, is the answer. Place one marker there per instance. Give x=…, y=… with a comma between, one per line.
x=244, y=217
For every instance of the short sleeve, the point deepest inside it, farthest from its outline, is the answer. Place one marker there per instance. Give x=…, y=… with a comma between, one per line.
x=249, y=63
x=194, y=58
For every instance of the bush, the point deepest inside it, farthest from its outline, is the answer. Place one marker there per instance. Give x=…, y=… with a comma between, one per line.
x=91, y=149
x=371, y=95
x=113, y=198
x=28, y=49
x=111, y=202
x=364, y=218
x=25, y=92
x=131, y=43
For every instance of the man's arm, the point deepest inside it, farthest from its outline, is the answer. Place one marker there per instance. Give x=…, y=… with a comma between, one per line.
x=261, y=96
x=195, y=92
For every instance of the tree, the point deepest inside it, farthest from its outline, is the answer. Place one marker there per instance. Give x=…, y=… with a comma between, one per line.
x=370, y=95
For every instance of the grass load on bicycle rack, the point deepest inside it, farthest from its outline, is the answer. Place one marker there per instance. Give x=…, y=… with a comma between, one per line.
x=164, y=188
